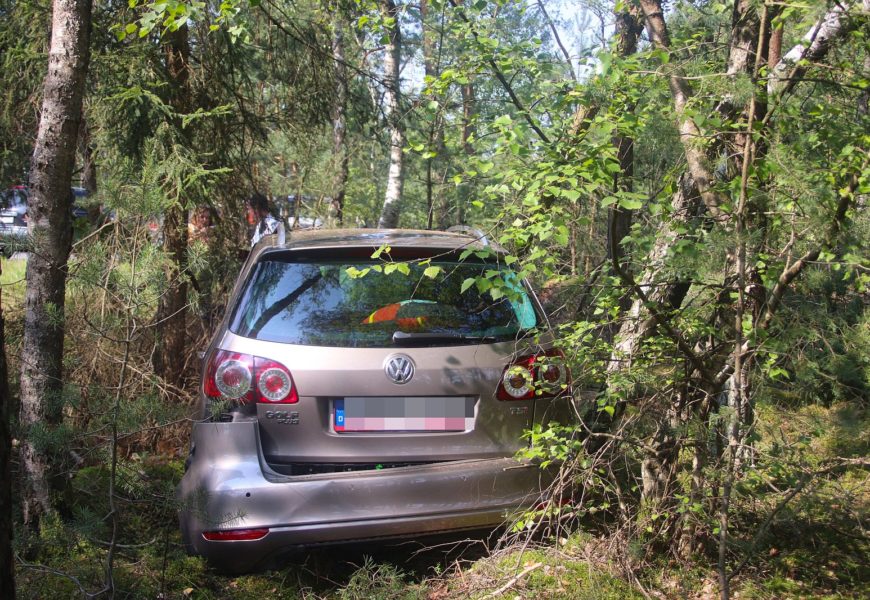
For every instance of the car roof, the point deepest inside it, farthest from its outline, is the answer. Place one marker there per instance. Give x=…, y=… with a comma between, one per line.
x=375, y=238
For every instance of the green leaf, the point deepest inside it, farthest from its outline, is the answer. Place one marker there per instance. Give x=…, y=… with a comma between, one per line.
x=432, y=272
x=630, y=203
x=467, y=284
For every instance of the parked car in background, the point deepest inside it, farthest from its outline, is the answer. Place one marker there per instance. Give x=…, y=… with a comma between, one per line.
x=79, y=211
x=13, y=216
x=339, y=407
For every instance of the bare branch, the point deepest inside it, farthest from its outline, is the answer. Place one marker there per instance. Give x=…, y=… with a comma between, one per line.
x=558, y=39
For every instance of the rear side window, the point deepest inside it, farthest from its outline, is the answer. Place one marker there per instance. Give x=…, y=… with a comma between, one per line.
x=319, y=304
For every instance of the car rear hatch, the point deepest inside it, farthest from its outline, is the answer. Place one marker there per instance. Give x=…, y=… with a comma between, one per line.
x=387, y=368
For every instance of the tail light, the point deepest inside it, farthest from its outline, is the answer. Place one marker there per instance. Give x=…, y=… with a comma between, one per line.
x=248, y=379
x=541, y=375
x=235, y=535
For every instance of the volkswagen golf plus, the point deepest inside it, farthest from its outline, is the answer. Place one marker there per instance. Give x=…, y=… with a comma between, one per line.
x=347, y=398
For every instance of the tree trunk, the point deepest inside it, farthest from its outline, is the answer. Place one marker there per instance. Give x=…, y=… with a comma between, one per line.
x=681, y=92
x=464, y=189
x=86, y=150
x=628, y=30
x=89, y=169
x=50, y=229
x=7, y=562
x=339, y=122
x=432, y=69
x=169, y=356
x=392, y=96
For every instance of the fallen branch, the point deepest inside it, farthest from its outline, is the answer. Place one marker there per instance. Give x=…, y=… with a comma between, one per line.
x=513, y=581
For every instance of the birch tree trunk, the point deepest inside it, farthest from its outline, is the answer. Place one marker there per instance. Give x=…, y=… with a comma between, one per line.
x=392, y=97
x=339, y=122
x=50, y=228
x=434, y=172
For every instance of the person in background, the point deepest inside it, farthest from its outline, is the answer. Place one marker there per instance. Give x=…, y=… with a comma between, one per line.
x=200, y=224
x=260, y=217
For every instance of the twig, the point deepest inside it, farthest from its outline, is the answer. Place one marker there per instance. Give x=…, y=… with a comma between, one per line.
x=44, y=569
x=558, y=39
x=513, y=581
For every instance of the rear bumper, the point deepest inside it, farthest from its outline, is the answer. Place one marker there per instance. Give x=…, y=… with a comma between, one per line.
x=228, y=486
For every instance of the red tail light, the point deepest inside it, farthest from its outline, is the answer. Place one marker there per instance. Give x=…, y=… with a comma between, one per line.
x=542, y=375
x=235, y=535
x=248, y=379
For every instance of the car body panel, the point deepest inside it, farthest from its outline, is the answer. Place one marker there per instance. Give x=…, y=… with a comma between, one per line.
x=229, y=481
x=323, y=374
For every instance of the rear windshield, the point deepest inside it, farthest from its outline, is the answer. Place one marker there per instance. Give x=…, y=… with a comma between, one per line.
x=319, y=303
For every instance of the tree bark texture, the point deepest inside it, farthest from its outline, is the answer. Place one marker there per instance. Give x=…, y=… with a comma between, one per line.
x=464, y=190
x=628, y=30
x=7, y=562
x=816, y=43
x=392, y=97
x=50, y=230
x=681, y=92
x=169, y=356
x=339, y=119
x=435, y=172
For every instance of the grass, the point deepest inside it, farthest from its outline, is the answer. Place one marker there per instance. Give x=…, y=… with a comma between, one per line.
x=12, y=282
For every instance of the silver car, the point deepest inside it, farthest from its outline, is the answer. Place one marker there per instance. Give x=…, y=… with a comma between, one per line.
x=346, y=397
x=13, y=219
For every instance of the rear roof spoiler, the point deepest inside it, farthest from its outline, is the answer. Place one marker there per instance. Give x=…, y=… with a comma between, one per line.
x=470, y=231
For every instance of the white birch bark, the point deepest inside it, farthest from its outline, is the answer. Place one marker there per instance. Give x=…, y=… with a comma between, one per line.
x=815, y=44
x=392, y=97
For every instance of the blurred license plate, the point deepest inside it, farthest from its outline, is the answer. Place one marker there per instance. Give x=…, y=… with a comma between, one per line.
x=414, y=413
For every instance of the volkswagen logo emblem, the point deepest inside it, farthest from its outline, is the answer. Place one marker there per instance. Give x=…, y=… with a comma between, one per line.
x=399, y=368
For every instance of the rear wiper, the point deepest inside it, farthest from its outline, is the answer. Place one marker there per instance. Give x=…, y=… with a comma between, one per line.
x=402, y=338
